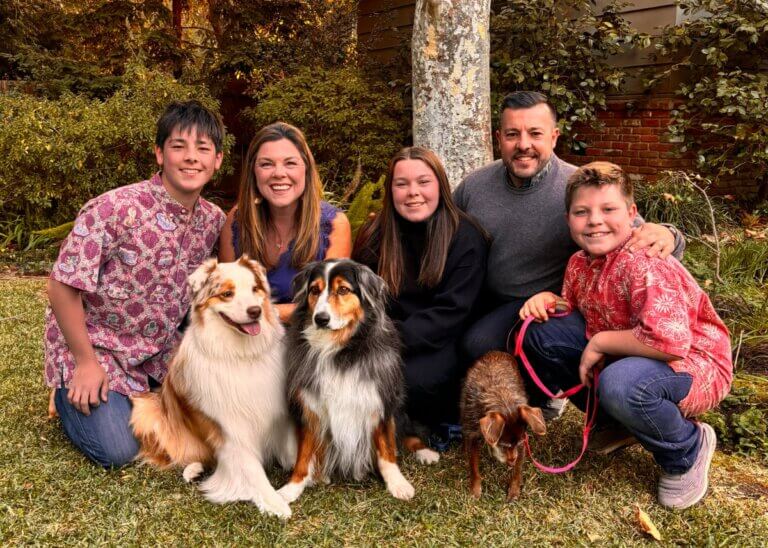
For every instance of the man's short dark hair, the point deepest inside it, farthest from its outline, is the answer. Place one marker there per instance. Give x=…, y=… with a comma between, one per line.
x=526, y=99
x=187, y=115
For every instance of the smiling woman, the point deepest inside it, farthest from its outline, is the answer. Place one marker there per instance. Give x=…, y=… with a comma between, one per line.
x=279, y=218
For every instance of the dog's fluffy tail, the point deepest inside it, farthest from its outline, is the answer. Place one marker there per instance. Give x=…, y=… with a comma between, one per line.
x=170, y=433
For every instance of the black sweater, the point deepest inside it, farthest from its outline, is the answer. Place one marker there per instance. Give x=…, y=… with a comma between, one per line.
x=429, y=319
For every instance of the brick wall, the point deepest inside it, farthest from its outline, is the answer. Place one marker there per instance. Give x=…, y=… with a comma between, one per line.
x=634, y=136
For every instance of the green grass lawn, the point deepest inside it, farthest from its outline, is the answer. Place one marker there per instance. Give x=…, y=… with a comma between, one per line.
x=49, y=494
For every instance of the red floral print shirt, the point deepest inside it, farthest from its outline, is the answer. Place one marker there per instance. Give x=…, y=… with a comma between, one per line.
x=665, y=309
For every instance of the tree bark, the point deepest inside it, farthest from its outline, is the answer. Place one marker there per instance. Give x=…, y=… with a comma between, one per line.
x=177, y=9
x=451, y=83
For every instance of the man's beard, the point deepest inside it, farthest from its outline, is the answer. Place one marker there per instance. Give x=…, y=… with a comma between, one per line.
x=511, y=166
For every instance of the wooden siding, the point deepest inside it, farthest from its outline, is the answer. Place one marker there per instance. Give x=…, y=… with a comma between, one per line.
x=384, y=27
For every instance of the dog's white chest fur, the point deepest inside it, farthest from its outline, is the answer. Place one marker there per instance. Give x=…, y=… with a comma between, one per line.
x=233, y=395
x=349, y=408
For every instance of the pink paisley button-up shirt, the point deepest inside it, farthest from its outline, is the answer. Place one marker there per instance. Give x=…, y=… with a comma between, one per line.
x=130, y=252
x=665, y=309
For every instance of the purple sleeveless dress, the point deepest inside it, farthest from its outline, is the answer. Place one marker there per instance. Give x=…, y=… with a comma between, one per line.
x=282, y=274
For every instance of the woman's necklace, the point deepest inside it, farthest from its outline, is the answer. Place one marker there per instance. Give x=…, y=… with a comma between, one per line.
x=279, y=242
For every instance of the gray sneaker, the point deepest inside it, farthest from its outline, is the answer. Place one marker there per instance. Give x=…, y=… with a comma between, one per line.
x=553, y=409
x=680, y=491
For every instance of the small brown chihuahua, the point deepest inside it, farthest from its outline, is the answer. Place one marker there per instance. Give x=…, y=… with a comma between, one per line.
x=494, y=407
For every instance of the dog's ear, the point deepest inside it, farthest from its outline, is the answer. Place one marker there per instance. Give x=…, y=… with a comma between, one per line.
x=198, y=278
x=373, y=288
x=254, y=266
x=534, y=418
x=300, y=280
x=491, y=427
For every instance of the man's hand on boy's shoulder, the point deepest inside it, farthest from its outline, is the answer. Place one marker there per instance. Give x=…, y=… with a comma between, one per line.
x=89, y=386
x=653, y=238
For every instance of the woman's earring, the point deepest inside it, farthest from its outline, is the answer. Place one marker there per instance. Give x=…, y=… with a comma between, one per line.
x=257, y=200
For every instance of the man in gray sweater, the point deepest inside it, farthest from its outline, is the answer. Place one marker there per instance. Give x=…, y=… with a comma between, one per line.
x=520, y=201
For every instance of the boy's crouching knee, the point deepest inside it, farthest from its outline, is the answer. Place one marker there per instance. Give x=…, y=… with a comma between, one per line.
x=115, y=457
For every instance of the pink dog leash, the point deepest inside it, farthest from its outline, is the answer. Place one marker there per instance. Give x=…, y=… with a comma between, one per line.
x=591, y=412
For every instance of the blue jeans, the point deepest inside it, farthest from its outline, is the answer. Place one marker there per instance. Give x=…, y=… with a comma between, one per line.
x=104, y=436
x=490, y=331
x=640, y=393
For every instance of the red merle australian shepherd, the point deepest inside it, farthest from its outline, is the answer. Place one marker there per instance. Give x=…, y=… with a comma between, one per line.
x=345, y=380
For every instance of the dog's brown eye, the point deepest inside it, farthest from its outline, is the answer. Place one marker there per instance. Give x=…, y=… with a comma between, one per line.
x=255, y=288
x=314, y=290
x=227, y=294
x=343, y=290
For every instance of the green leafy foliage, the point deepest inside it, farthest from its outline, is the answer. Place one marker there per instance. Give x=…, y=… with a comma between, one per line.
x=86, y=46
x=562, y=48
x=741, y=420
x=367, y=200
x=345, y=117
x=672, y=199
x=260, y=42
x=720, y=49
x=57, y=154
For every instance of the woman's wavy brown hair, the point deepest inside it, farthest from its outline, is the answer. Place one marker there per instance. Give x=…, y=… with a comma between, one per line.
x=383, y=233
x=253, y=216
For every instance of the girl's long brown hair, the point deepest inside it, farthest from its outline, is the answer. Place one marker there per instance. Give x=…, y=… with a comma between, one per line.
x=384, y=233
x=253, y=215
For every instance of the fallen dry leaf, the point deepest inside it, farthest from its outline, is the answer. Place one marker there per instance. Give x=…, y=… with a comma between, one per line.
x=755, y=234
x=646, y=525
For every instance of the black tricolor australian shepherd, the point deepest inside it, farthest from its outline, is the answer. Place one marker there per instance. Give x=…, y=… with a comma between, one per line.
x=345, y=380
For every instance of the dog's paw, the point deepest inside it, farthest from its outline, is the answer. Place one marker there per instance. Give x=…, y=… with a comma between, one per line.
x=290, y=491
x=192, y=472
x=400, y=488
x=427, y=456
x=274, y=505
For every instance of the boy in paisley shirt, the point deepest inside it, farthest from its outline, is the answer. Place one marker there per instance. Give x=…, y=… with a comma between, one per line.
x=118, y=289
x=665, y=352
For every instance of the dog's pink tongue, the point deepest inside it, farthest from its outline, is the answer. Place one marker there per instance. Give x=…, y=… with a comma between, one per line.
x=251, y=328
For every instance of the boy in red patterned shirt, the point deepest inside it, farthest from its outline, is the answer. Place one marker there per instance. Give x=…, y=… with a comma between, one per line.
x=667, y=352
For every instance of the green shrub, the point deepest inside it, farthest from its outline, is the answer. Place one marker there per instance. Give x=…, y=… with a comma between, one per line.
x=367, y=200
x=344, y=116
x=741, y=420
x=57, y=154
x=673, y=199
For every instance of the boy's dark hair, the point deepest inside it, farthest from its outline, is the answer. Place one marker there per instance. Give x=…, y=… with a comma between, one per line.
x=526, y=99
x=599, y=174
x=187, y=115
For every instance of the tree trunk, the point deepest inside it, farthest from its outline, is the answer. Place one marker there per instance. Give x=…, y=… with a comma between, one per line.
x=451, y=83
x=177, y=9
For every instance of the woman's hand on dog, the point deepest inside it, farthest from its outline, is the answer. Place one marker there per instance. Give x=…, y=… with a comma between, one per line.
x=89, y=386
x=537, y=306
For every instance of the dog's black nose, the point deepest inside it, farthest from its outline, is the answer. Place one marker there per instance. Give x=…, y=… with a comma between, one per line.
x=322, y=319
x=254, y=312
